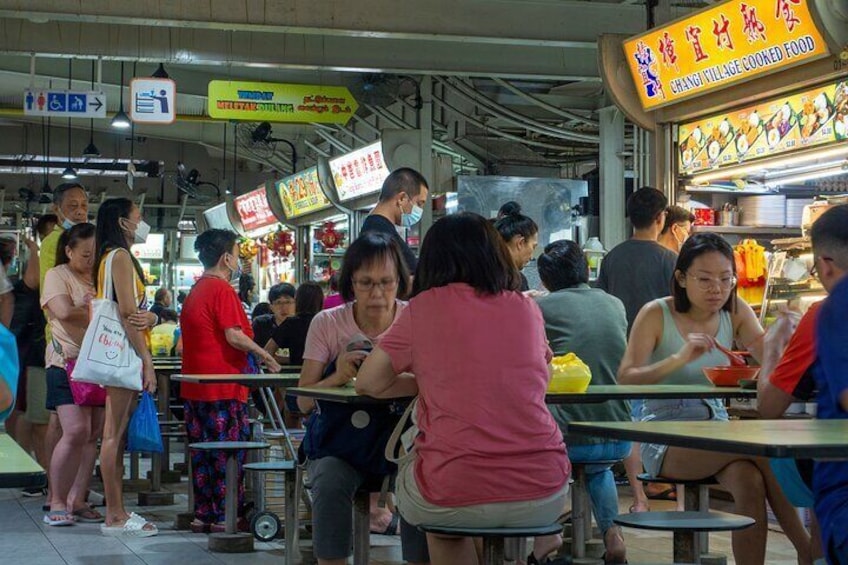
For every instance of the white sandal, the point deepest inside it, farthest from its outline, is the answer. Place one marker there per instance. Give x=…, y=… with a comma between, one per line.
x=133, y=527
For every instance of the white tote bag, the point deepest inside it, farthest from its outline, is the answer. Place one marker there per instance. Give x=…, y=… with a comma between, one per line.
x=107, y=357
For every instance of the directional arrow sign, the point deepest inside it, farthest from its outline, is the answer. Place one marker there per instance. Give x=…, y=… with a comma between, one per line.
x=65, y=104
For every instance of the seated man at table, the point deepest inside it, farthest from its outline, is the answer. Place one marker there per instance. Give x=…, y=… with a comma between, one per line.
x=830, y=477
x=591, y=324
x=789, y=359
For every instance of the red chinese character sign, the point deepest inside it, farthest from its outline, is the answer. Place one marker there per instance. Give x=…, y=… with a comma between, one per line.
x=721, y=45
x=254, y=211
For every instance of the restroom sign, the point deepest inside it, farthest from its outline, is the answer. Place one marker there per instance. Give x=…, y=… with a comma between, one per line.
x=64, y=103
x=153, y=101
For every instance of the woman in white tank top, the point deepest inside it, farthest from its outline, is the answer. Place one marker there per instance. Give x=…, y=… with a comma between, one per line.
x=671, y=340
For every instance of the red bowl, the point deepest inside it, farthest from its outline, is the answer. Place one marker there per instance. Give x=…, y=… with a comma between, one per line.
x=730, y=376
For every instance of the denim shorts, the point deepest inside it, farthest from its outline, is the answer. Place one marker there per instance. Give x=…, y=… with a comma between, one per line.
x=653, y=454
x=58, y=388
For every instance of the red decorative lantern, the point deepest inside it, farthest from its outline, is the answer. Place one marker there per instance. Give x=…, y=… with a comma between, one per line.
x=281, y=243
x=329, y=236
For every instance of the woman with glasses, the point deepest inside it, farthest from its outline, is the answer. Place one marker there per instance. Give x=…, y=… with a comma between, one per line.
x=344, y=445
x=672, y=340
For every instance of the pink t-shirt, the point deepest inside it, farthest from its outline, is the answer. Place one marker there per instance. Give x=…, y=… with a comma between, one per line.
x=331, y=330
x=61, y=281
x=481, y=363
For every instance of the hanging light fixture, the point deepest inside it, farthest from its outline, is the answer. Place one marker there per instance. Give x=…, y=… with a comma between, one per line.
x=69, y=173
x=121, y=120
x=91, y=150
x=160, y=72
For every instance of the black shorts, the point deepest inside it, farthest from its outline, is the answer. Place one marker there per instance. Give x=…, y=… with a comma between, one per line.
x=58, y=388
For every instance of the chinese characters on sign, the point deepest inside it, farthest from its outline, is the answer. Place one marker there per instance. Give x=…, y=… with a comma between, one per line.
x=301, y=194
x=153, y=101
x=814, y=117
x=273, y=102
x=254, y=211
x=359, y=173
x=721, y=45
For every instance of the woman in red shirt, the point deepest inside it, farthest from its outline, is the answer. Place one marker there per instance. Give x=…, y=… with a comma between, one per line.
x=479, y=355
x=217, y=339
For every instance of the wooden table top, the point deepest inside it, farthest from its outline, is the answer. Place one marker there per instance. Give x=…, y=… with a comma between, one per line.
x=767, y=438
x=282, y=380
x=602, y=393
x=17, y=468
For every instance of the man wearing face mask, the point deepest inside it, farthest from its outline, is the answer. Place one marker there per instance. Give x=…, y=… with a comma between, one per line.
x=402, y=201
x=678, y=226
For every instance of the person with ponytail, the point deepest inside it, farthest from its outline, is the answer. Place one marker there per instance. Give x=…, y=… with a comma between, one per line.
x=521, y=235
x=120, y=225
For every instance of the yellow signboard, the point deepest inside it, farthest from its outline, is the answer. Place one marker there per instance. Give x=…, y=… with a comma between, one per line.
x=807, y=119
x=301, y=194
x=274, y=102
x=727, y=43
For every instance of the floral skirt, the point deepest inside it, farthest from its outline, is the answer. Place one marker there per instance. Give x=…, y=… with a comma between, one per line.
x=223, y=420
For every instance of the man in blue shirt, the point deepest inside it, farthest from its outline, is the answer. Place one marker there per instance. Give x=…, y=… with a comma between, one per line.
x=830, y=478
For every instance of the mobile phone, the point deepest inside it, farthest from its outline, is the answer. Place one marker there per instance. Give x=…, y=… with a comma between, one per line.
x=359, y=342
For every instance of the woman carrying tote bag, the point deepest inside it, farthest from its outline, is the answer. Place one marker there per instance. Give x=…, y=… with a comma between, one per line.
x=119, y=225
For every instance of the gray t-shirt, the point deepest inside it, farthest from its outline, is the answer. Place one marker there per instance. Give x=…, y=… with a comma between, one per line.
x=636, y=272
x=589, y=323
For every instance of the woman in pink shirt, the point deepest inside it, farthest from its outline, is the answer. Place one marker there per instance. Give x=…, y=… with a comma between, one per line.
x=487, y=452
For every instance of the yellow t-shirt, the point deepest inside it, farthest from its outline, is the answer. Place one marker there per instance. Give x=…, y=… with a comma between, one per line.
x=46, y=261
x=141, y=298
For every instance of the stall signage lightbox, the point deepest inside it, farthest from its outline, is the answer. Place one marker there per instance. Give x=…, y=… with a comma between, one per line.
x=254, y=211
x=218, y=218
x=276, y=102
x=301, y=194
x=152, y=249
x=807, y=119
x=728, y=43
x=360, y=172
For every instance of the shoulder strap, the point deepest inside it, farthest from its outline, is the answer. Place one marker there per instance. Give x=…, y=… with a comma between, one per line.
x=108, y=284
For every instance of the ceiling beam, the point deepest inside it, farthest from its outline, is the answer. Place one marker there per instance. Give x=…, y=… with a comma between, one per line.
x=550, y=23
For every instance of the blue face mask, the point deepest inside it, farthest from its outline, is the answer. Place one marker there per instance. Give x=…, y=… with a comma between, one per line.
x=67, y=224
x=414, y=216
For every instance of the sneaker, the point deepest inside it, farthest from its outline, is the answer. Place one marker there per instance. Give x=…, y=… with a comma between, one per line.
x=34, y=492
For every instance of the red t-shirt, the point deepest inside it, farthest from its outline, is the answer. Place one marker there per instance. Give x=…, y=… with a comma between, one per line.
x=212, y=307
x=791, y=374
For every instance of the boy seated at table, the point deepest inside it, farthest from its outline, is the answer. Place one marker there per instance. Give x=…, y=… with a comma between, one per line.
x=830, y=477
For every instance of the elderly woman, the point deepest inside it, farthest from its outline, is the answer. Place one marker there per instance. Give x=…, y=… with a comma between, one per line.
x=344, y=446
x=672, y=339
x=591, y=324
x=217, y=339
x=478, y=351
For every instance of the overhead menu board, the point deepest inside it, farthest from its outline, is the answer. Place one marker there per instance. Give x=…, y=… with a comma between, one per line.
x=254, y=211
x=730, y=42
x=218, y=218
x=301, y=194
x=807, y=119
x=359, y=173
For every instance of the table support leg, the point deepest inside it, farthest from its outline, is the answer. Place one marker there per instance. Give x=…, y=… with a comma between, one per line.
x=687, y=547
x=493, y=551
x=361, y=528
x=291, y=523
x=231, y=497
x=579, y=503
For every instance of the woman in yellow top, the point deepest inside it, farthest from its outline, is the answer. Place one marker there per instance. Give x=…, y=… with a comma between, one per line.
x=119, y=225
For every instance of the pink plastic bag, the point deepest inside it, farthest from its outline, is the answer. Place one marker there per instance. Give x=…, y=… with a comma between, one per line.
x=85, y=394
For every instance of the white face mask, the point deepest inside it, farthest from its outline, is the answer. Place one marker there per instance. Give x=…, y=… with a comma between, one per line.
x=142, y=230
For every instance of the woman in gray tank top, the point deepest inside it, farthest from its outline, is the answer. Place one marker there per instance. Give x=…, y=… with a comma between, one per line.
x=671, y=341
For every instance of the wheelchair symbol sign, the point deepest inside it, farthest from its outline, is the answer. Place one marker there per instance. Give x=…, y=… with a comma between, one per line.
x=57, y=101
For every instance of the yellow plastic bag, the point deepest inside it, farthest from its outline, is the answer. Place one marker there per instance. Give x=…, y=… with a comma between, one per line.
x=161, y=344
x=570, y=374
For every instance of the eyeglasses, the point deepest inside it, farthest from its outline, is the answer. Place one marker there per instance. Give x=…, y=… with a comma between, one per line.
x=708, y=283
x=814, y=270
x=366, y=285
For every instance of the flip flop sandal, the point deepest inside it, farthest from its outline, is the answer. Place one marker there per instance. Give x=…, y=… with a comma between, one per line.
x=58, y=518
x=667, y=494
x=133, y=527
x=392, y=528
x=88, y=515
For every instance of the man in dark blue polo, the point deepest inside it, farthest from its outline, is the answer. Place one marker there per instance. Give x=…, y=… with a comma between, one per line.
x=830, y=478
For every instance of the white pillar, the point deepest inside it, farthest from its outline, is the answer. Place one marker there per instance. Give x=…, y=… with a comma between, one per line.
x=612, y=221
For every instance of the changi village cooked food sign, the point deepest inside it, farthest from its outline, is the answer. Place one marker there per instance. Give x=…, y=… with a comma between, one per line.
x=275, y=102
x=731, y=42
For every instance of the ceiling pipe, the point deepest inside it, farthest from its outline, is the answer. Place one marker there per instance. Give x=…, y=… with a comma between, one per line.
x=544, y=105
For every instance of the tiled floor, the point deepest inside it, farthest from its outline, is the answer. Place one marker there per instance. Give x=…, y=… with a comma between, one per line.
x=24, y=538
